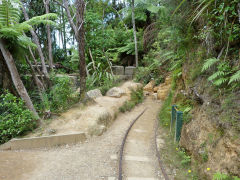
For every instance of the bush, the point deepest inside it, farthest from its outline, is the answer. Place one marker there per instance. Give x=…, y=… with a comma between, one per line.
x=60, y=96
x=103, y=82
x=165, y=112
x=136, y=98
x=15, y=118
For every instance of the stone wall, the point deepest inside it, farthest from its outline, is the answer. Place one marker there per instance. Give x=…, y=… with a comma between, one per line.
x=124, y=72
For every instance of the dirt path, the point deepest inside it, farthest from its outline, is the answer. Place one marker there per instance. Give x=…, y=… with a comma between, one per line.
x=92, y=160
x=140, y=161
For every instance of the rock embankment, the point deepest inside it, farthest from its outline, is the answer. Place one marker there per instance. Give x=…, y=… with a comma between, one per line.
x=159, y=92
x=93, y=119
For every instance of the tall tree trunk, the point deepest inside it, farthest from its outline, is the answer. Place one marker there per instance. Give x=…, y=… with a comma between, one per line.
x=36, y=41
x=80, y=6
x=134, y=33
x=50, y=56
x=79, y=35
x=6, y=82
x=16, y=78
x=64, y=32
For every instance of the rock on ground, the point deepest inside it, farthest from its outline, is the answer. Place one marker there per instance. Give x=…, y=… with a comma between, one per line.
x=116, y=92
x=93, y=94
x=149, y=87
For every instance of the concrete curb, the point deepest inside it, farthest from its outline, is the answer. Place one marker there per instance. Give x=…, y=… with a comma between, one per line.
x=43, y=142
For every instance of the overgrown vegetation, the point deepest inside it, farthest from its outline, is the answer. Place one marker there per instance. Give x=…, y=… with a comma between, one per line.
x=222, y=176
x=175, y=159
x=60, y=96
x=15, y=119
x=136, y=98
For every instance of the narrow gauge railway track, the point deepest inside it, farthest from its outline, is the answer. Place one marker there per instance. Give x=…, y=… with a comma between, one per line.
x=121, y=154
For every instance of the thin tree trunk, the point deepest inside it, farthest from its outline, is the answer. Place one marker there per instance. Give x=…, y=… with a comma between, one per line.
x=239, y=12
x=16, y=78
x=79, y=35
x=1, y=75
x=35, y=63
x=135, y=34
x=50, y=56
x=80, y=6
x=38, y=83
x=64, y=32
x=90, y=53
x=36, y=41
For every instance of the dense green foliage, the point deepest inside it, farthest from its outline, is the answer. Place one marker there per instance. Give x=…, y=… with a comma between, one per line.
x=15, y=119
x=61, y=94
x=136, y=98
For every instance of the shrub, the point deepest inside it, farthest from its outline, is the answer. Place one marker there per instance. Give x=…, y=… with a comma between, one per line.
x=185, y=159
x=136, y=98
x=103, y=81
x=165, y=112
x=15, y=118
x=60, y=96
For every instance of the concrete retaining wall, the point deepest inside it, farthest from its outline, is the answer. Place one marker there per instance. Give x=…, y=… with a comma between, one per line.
x=43, y=142
x=124, y=73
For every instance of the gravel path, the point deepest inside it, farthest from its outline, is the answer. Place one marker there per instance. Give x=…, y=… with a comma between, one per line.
x=92, y=160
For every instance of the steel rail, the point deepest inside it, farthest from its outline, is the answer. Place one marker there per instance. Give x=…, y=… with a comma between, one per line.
x=123, y=144
x=158, y=153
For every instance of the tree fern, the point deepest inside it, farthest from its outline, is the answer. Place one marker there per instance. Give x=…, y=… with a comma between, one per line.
x=9, y=12
x=208, y=63
x=11, y=29
x=235, y=77
x=25, y=42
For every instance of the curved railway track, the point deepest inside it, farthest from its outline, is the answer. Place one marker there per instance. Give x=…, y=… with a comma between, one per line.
x=121, y=154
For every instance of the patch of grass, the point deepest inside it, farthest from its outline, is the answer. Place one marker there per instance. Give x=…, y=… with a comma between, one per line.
x=222, y=176
x=176, y=159
x=165, y=112
x=136, y=98
x=205, y=156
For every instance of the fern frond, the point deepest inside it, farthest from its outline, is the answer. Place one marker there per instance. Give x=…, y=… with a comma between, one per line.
x=22, y=27
x=45, y=19
x=235, y=77
x=25, y=42
x=8, y=32
x=216, y=75
x=220, y=81
x=208, y=63
x=9, y=12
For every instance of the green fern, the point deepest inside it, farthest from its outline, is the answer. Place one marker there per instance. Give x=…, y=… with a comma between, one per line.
x=25, y=42
x=209, y=63
x=235, y=77
x=216, y=75
x=220, y=81
x=9, y=12
x=11, y=29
